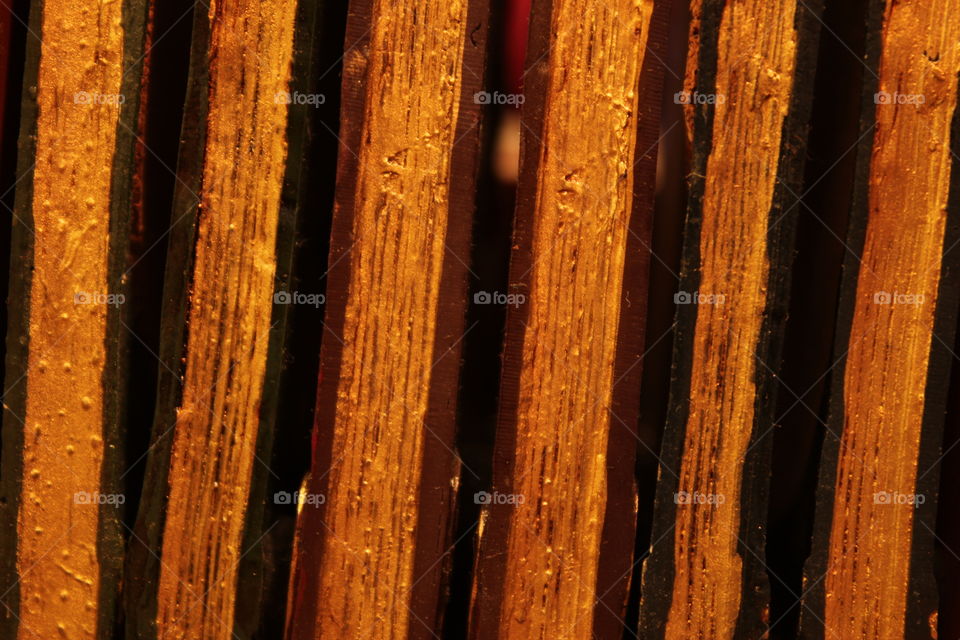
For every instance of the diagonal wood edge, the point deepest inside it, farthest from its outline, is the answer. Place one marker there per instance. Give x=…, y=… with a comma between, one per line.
x=441, y=470
x=214, y=440
x=16, y=362
x=309, y=537
x=142, y=559
x=616, y=564
x=867, y=484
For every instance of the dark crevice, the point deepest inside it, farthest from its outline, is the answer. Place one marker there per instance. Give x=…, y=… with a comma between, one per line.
x=482, y=346
x=290, y=452
x=165, y=71
x=668, y=223
x=13, y=42
x=808, y=350
x=947, y=541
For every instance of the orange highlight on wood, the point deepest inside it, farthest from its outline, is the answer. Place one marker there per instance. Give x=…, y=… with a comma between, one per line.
x=581, y=220
x=390, y=323
x=755, y=69
x=230, y=310
x=79, y=80
x=892, y=330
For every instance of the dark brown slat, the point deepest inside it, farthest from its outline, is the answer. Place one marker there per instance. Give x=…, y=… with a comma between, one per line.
x=142, y=561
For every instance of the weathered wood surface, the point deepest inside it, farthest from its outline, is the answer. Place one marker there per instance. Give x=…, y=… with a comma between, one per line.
x=556, y=541
x=142, y=563
x=871, y=572
x=706, y=577
x=370, y=560
x=61, y=499
x=557, y=536
x=208, y=425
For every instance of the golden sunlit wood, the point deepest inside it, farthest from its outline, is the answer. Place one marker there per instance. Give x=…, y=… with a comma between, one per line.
x=216, y=431
x=893, y=320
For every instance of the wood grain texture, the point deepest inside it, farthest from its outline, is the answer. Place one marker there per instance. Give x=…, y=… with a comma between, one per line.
x=62, y=387
x=889, y=400
x=142, y=563
x=690, y=70
x=705, y=576
x=540, y=559
x=214, y=442
x=370, y=561
x=756, y=88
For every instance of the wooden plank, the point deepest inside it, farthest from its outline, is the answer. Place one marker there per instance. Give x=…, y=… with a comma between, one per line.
x=705, y=576
x=231, y=301
x=871, y=572
x=370, y=561
x=60, y=541
x=298, y=204
x=555, y=560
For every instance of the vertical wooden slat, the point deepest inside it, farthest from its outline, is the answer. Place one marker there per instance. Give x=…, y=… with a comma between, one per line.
x=218, y=329
x=64, y=381
x=231, y=302
x=705, y=577
x=297, y=206
x=871, y=572
x=556, y=541
x=370, y=561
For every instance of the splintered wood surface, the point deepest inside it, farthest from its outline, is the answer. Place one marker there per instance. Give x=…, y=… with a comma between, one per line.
x=885, y=383
x=756, y=83
x=396, y=298
x=542, y=534
x=232, y=297
x=58, y=384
